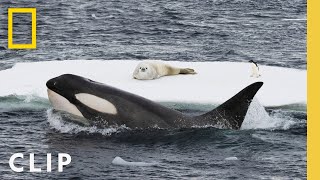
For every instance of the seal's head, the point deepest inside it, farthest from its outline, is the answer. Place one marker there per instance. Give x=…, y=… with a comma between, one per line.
x=145, y=70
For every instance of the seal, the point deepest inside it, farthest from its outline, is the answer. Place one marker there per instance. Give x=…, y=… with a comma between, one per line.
x=147, y=70
x=105, y=106
x=254, y=69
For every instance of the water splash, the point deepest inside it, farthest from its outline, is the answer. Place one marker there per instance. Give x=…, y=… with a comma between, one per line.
x=258, y=118
x=56, y=122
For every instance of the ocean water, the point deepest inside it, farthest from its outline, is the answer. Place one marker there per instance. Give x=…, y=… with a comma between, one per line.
x=271, y=143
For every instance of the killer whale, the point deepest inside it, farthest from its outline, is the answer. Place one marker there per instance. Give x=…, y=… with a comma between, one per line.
x=105, y=106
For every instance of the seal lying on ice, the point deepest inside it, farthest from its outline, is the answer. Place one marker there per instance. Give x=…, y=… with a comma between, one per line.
x=147, y=70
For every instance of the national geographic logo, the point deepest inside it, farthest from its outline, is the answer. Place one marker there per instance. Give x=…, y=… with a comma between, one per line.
x=22, y=11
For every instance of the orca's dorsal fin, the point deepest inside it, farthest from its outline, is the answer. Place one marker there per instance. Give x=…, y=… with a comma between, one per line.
x=231, y=113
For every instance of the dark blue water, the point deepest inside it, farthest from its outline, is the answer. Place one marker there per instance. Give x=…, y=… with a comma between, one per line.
x=272, y=32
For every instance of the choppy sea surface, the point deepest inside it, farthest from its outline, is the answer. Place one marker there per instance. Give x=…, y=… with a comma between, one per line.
x=272, y=32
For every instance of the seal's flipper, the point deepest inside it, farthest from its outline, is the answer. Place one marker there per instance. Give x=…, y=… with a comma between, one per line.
x=187, y=71
x=231, y=113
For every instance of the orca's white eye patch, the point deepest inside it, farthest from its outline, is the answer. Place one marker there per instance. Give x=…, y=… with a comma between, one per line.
x=96, y=103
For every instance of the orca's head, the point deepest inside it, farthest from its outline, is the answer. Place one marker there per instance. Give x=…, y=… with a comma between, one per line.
x=67, y=85
x=63, y=89
x=67, y=91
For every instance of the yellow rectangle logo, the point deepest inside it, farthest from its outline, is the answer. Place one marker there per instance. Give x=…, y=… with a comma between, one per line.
x=33, y=12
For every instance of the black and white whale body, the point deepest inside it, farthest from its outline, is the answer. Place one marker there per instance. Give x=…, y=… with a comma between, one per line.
x=106, y=106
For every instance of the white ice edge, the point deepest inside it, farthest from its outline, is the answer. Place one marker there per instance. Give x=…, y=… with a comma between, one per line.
x=215, y=82
x=121, y=162
x=233, y=158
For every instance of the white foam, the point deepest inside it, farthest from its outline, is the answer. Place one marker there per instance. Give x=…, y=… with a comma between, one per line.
x=214, y=83
x=258, y=118
x=119, y=161
x=231, y=158
x=57, y=122
x=298, y=19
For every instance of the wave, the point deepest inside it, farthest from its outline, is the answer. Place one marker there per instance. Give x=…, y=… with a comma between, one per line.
x=23, y=102
x=233, y=158
x=301, y=19
x=215, y=82
x=121, y=162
